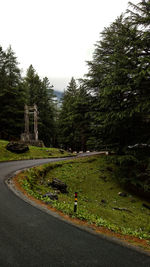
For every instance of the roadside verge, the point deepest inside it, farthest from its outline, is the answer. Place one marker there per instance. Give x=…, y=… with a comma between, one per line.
x=101, y=231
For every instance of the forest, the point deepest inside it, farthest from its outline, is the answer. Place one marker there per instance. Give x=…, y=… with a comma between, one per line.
x=108, y=109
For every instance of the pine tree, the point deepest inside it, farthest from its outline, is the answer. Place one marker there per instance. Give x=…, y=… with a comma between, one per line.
x=66, y=119
x=11, y=96
x=82, y=119
x=40, y=92
x=2, y=70
x=114, y=80
x=47, y=113
x=32, y=84
x=74, y=118
x=140, y=16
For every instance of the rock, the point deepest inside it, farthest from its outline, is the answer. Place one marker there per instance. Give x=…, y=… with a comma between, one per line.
x=122, y=194
x=17, y=147
x=59, y=185
x=52, y=196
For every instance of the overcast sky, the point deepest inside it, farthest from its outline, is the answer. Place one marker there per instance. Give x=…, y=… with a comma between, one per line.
x=56, y=36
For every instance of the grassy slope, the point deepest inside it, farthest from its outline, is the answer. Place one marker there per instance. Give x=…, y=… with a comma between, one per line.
x=93, y=179
x=33, y=153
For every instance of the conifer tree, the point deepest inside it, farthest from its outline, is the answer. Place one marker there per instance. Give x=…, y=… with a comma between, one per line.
x=74, y=118
x=140, y=15
x=40, y=92
x=66, y=118
x=47, y=113
x=11, y=96
x=114, y=77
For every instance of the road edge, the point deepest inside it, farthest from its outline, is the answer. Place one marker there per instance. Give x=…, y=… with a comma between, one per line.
x=11, y=185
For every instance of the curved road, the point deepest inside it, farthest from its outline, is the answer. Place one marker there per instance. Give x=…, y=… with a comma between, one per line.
x=31, y=237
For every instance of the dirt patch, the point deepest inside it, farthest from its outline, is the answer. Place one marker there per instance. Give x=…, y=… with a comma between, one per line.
x=141, y=243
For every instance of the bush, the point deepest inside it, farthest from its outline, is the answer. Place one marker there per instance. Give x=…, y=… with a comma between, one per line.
x=133, y=172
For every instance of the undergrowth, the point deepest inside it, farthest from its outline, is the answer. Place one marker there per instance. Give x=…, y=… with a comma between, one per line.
x=98, y=198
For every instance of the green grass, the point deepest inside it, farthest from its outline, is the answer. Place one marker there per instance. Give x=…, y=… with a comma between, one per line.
x=33, y=153
x=94, y=181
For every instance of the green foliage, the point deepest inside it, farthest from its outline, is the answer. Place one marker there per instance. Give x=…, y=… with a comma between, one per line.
x=133, y=173
x=74, y=119
x=119, y=80
x=15, y=92
x=12, y=96
x=40, y=92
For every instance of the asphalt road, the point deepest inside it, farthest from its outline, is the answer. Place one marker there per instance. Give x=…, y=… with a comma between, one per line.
x=31, y=237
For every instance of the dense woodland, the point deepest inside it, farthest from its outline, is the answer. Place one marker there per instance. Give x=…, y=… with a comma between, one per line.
x=109, y=109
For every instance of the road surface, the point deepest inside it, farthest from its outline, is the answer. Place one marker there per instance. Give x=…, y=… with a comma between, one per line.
x=31, y=237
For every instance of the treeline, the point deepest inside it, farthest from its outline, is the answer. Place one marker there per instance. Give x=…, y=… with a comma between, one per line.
x=111, y=107
x=16, y=91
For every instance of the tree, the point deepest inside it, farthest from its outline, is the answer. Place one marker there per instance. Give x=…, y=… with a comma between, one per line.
x=82, y=119
x=2, y=69
x=74, y=120
x=114, y=80
x=46, y=106
x=140, y=16
x=12, y=96
x=66, y=119
x=40, y=92
x=32, y=84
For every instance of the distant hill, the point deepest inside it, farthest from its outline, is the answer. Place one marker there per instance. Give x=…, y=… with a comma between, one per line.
x=58, y=94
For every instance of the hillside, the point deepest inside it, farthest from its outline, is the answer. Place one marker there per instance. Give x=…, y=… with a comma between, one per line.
x=102, y=201
x=58, y=94
x=33, y=153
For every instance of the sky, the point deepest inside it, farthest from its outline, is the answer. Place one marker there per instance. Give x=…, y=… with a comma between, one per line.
x=56, y=36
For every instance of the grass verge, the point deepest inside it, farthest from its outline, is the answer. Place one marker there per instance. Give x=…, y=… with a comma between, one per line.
x=98, y=200
x=33, y=153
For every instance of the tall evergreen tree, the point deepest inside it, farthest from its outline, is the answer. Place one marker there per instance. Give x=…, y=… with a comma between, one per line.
x=32, y=84
x=74, y=118
x=40, y=92
x=2, y=70
x=114, y=79
x=47, y=113
x=11, y=96
x=140, y=15
x=66, y=125
x=82, y=119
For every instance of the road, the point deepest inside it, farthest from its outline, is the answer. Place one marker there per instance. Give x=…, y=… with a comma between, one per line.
x=31, y=237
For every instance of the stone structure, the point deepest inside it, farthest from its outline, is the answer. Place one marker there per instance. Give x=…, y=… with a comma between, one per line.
x=27, y=137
